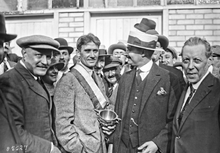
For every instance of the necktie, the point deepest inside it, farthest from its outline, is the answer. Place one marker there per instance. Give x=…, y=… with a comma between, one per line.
x=138, y=76
x=94, y=77
x=192, y=91
x=5, y=66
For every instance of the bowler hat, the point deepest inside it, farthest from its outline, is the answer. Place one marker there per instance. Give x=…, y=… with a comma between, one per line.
x=142, y=40
x=148, y=26
x=102, y=51
x=215, y=50
x=119, y=45
x=64, y=44
x=58, y=65
x=38, y=42
x=111, y=61
x=3, y=35
x=173, y=51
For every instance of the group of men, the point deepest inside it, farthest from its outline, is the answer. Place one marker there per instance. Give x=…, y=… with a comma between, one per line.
x=158, y=112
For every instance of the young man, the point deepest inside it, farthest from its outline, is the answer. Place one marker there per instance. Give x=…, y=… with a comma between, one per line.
x=29, y=102
x=197, y=120
x=169, y=56
x=146, y=102
x=77, y=94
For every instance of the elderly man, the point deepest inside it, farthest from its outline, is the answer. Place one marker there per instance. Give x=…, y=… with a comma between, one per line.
x=29, y=102
x=146, y=102
x=197, y=120
x=4, y=37
x=77, y=95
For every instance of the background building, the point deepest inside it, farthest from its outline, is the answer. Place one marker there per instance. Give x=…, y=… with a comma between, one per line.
x=111, y=20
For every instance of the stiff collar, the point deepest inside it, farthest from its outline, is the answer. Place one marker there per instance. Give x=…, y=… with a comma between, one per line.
x=90, y=71
x=146, y=67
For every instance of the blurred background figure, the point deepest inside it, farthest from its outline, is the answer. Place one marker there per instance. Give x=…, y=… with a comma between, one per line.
x=169, y=56
x=119, y=50
x=101, y=61
x=50, y=77
x=64, y=56
x=216, y=60
x=5, y=63
x=111, y=77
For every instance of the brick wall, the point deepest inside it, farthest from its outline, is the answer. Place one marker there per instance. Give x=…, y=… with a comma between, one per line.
x=71, y=26
x=203, y=23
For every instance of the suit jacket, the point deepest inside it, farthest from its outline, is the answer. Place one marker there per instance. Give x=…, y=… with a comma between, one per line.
x=30, y=106
x=156, y=111
x=77, y=126
x=177, y=73
x=199, y=131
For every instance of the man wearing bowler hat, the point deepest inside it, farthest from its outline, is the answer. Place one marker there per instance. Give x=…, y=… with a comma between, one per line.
x=27, y=96
x=65, y=51
x=4, y=37
x=146, y=102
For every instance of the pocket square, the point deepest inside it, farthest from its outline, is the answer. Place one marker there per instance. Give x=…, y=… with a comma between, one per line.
x=161, y=91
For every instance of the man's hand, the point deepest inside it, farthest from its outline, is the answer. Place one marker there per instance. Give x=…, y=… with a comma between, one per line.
x=108, y=129
x=148, y=147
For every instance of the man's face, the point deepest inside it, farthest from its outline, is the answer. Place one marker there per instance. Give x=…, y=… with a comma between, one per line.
x=156, y=55
x=135, y=57
x=64, y=58
x=167, y=58
x=120, y=54
x=195, y=62
x=36, y=62
x=110, y=75
x=51, y=75
x=100, y=63
x=1, y=50
x=89, y=54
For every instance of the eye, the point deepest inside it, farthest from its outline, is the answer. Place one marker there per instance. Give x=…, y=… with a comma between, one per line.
x=95, y=50
x=38, y=55
x=197, y=60
x=185, y=61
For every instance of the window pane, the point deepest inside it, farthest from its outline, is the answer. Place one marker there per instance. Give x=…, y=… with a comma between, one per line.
x=170, y=2
x=148, y=2
x=125, y=2
x=66, y=3
x=96, y=3
x=8, y=5
x=37, y=4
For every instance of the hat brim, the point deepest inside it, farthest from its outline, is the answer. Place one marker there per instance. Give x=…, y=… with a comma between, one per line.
x=45, y=47
x=116, y=46
x=111, y=65
x=70, y=49
x=7, y=37
x=150, y=49
x=59, y=66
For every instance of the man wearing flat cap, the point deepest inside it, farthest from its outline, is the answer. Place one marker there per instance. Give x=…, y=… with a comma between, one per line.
x=27, y=96
x=145, y=101
x=4, y=37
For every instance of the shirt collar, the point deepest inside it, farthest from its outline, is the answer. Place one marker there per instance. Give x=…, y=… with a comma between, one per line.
x=196, y=85
x=146, y=67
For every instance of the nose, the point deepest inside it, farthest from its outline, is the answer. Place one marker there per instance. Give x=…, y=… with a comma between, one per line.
x=92, y=54
x=44, y=60
x=191, y=65
x=111, y=73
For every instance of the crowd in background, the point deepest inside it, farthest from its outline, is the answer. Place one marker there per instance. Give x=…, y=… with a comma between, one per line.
x=160, y=104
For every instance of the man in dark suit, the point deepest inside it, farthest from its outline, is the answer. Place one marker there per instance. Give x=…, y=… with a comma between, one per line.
x=27, y=96
x=146, y=102
x=197, y=120
x=4, y=37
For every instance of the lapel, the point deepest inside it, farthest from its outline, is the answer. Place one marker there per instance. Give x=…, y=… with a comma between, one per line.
x=203, y=90
x=129, y=80
x=181, y=101
x=152, y=79
x=32, y=83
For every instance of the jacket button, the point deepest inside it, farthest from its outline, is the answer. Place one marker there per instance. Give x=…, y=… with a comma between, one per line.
x=178, y=137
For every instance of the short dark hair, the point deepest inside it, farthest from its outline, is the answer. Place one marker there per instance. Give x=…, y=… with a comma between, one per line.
x=85, y=39
x=196, y=41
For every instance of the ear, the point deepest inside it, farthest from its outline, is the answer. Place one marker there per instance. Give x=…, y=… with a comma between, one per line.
x=77, y=52
x=24, y=53
x=210, y=59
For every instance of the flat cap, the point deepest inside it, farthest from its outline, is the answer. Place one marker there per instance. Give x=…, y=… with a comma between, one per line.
x=38, y=42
